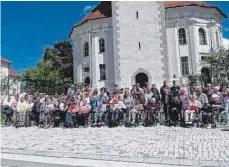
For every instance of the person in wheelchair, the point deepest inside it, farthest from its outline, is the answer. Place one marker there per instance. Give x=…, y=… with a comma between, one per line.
x=117, y=109
x=84, y=111
x=94, y=102
x=207, y=116
x=193, y=107
x=217, y=107
x=21, y=110
x=72, y=114
x=175, y=108
x=137, y=109
x=100, y=113
x=47, y=113
x=128, y=101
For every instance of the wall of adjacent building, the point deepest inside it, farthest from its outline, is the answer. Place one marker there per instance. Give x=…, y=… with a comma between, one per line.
x=191, y=19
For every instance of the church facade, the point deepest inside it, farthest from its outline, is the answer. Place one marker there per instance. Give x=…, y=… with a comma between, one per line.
x=126, y=43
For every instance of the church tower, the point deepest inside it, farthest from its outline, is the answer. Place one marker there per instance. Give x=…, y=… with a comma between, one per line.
x=139, y=42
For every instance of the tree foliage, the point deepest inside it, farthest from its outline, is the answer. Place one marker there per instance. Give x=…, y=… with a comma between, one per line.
x=218, y=65
x=54, y=73
x=215, y=69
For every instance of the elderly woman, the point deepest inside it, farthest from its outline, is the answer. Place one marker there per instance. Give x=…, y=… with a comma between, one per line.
x=137, y=108
x=193, y=106
x=21, y=111
x=72, y=111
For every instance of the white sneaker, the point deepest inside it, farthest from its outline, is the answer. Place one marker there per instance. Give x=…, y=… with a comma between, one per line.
x=209, y=126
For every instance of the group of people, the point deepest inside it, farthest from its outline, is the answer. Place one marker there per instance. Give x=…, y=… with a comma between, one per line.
x=171, y=106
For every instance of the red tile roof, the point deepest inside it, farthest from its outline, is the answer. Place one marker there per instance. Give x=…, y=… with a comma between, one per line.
x=5, y=61
x=12, y=73
x=173, y=4
x=184, y=3
x=103, y=10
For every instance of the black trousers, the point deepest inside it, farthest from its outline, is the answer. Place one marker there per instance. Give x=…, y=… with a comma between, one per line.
x=37, y=117
x=173, y=114
x=166, y=111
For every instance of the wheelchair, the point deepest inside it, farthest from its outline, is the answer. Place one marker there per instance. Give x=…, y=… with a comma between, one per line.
x=57, y=118
x=150, y=115
x=196, y=119
x=22, y=119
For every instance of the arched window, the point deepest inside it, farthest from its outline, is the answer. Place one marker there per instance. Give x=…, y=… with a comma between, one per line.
x=217, y=38
x=202, y=37
x=86, y=49
x=182, y=36
x=101, y=45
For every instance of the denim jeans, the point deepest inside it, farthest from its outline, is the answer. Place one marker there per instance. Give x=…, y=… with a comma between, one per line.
x=226, y=112
x=69, y=117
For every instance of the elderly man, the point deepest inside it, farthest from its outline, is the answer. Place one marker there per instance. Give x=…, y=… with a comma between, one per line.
x=202, y=97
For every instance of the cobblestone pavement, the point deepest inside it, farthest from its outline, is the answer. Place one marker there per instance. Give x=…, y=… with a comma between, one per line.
x=161, y=145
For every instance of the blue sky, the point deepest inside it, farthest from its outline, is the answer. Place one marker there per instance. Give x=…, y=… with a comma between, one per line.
x=27, y=27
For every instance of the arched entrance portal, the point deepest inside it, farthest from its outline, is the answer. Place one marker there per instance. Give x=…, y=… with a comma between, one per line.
x=87, y=81
x=142, y=79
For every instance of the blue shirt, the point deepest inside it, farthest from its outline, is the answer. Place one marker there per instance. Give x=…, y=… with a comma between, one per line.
x=94, y=101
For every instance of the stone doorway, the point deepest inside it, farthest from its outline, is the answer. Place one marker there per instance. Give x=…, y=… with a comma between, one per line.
x=142, y=79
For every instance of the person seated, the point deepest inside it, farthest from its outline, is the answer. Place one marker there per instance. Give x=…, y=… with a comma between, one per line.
x=217, y=106
x=193, y=106
x=207, y=116
x=117, y=109
x=84, y=111
x=72, y=110
x=102, y=109
x=137, y=108
x=202, y=97
x=175, y=108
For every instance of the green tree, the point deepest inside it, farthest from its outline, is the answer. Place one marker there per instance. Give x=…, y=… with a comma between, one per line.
x=218, y=65
x=55, y=71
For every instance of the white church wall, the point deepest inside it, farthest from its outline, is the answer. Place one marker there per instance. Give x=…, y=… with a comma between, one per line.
x=91, y=31
x=129, y=31
x=191, y=19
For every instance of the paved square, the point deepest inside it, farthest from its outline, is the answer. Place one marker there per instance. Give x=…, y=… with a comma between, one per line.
x=157, y=145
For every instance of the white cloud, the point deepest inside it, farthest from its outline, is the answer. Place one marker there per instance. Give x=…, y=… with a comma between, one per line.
x=88, y=8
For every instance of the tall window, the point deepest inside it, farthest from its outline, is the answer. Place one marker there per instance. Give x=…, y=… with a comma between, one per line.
x=86, y=49
x=102, y=72
x=217, y=38
x=101, y=45
x=202, y=37
x=182, y=36
x=137, y=15
x=184, y=66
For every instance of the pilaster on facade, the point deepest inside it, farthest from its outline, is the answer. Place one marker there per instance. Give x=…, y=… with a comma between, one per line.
x=116, y=38
x=162, y=30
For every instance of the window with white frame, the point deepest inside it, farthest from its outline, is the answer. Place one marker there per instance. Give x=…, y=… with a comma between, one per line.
x=101, y=45
x=102, y=69
x=86, y=49
x=184, y=66
x=202, y=36
x=182, y=36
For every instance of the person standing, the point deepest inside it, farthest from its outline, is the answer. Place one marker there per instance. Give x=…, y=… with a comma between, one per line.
x=36, y=110
x=175, y=89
